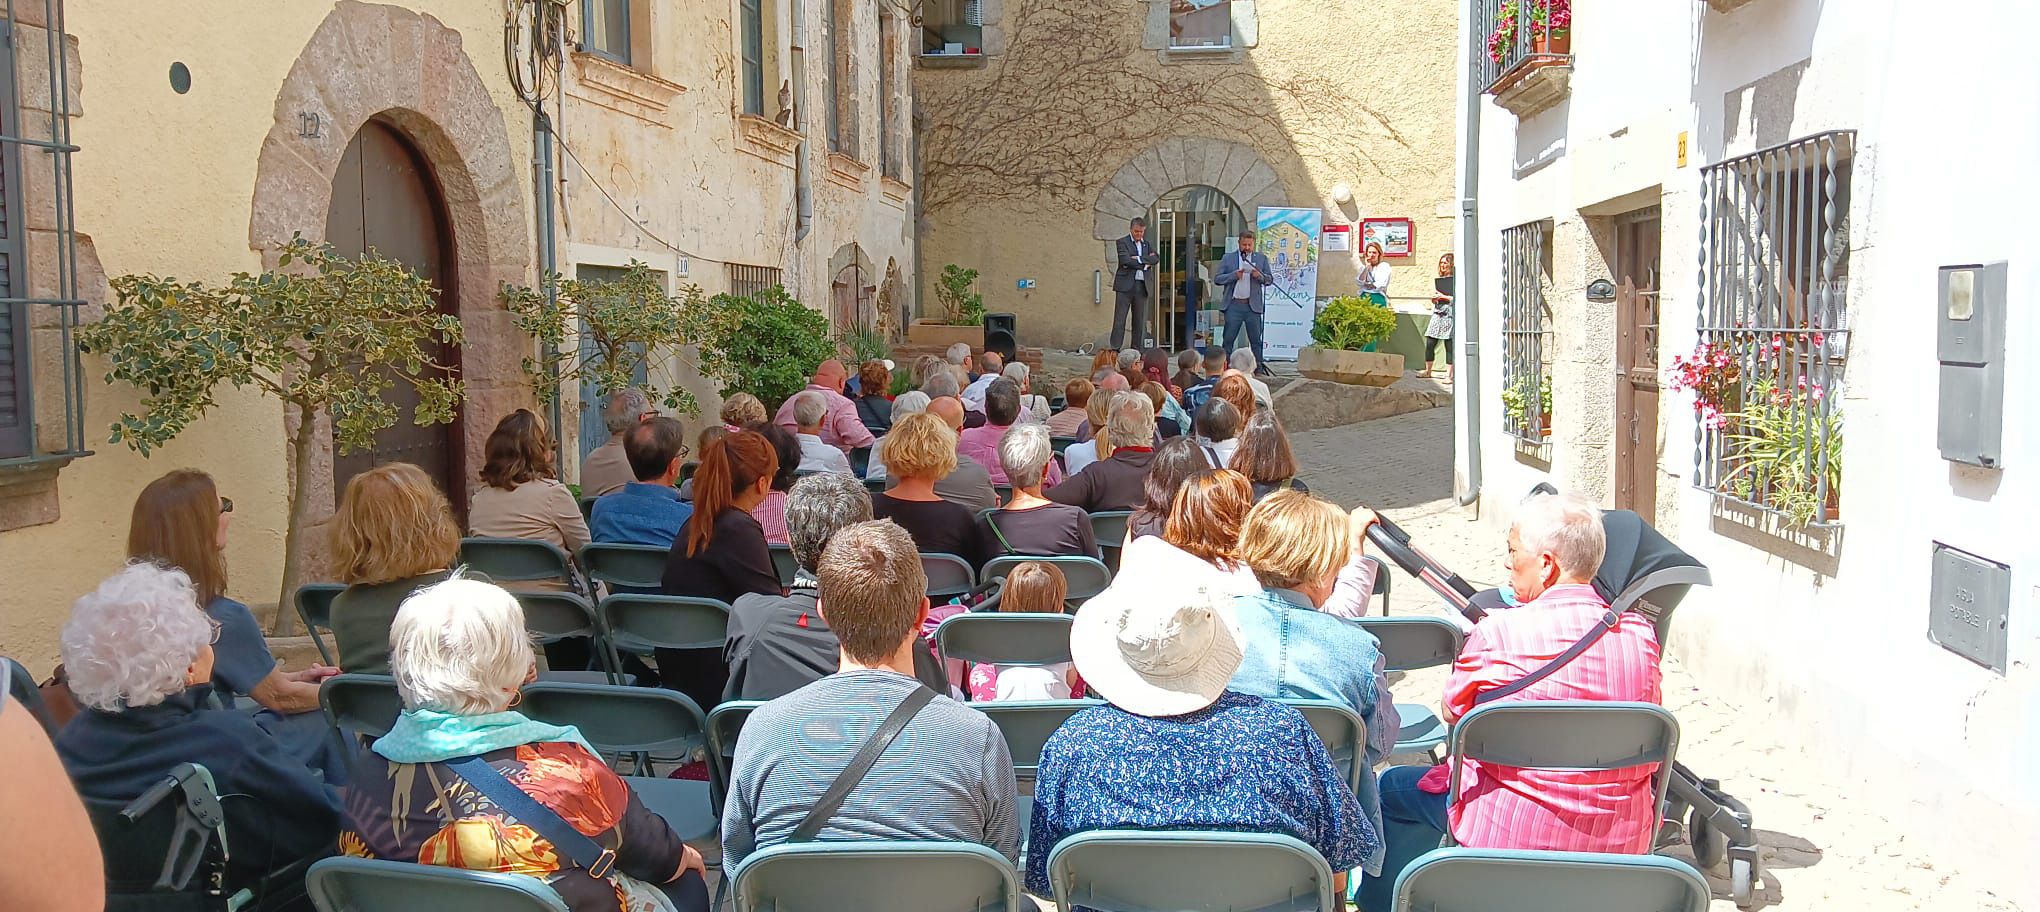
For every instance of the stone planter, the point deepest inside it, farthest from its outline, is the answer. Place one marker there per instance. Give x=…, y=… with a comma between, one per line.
x=1358, y=368
x=945, y=335
x=1725, y=6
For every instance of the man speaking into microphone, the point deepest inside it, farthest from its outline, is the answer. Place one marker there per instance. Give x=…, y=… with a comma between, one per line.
x=1130, y=284
x=1241, y=276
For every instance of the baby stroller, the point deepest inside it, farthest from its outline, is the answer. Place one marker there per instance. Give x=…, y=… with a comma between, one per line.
x=1643, y=572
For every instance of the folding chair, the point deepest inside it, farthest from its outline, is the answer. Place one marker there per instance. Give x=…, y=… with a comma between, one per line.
x=1149, y=871
x=1027, y=726
x=366, y=885
x=1343, y=732
x=1087, y=576
x=167, y=850
x=517, y=560
x=725, y=723
x=588, y=508
x=1515, y=880
x=315, y=607
x=1381, y=580
x=994, y=638
x=1109, y=528
x=643, y=623
x=1567, y=735
x=1003, y=492
x=639, y=721
x=361, y=704
x=948, y=576
x=784, y=564
x=554, y=616
x=874, y=485
x=1407, y=644
x=637, y=567
x=1059, y=444
x=893, y=876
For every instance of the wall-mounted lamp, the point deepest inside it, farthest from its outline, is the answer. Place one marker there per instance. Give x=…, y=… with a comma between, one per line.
x=1341, y=193
x=1600, y=291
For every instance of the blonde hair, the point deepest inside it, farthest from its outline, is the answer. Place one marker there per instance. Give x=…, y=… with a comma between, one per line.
x=741, y=410
x=920, y=445
x=1132, y=423
x=460, y=647
x=1291, y=540
x=1205, y=517
x=393, y=524
x=1099, y=410
x=1035, y=587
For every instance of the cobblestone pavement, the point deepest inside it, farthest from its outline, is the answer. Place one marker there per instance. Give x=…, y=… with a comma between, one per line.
x=1822, y=849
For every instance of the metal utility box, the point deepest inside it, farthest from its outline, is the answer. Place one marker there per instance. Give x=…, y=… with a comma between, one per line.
x=1971, y=346
x=1972, y=597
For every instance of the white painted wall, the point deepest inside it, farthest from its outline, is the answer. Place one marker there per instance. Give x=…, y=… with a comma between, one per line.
x=1839, y=665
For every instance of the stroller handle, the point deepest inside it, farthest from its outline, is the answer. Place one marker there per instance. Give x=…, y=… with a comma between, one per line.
x=1395, y=543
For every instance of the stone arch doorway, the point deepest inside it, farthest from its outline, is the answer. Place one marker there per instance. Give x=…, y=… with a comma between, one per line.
x=853, y=289
x=1231, y=168
x=1192, y=228
x=386, y=199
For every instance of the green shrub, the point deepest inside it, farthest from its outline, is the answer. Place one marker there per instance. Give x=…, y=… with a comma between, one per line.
x=765, y=344
x=956, y=292
x=1351, y=323
x=864, y=345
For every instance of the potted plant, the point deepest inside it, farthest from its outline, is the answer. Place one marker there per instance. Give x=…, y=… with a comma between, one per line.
x=1516, y=405
x=963, y=310
x=1778, y=444
x=1713, y=374
x=1550, y=37
x=1343, y=331
x=1551, y=27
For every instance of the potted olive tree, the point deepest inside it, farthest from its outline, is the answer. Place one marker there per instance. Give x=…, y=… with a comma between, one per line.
x=1343, y=331
x=963, y=309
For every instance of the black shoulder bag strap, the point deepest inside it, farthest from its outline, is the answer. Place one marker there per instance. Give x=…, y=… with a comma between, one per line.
x=1572, y=652
x=576, y=845
x=888, y=731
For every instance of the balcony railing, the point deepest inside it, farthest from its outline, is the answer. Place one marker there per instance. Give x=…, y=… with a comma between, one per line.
x=1519, y=36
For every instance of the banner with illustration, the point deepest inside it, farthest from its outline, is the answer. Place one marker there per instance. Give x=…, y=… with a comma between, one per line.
x=1290, y=239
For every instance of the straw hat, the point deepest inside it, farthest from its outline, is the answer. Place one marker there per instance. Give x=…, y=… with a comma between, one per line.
x=1162, y=651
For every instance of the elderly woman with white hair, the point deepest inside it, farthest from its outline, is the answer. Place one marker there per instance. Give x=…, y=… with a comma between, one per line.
x=1033, y=407
x=463, y=780
x=1117, y=480
x=1029, y=523
x=911, y=402
x=140, y=657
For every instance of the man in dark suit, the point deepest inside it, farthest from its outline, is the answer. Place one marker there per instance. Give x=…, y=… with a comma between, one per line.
x=1130, y=284
x=1241, y=276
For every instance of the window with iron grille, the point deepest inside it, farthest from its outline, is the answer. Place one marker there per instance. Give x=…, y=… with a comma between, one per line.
x=1526, y=332
x=746, y=281
x=605, y=29
x=1773, y=328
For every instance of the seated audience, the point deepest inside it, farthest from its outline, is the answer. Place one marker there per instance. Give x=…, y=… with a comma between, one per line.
x=1033, y=408
x=1170, y=419
x=1115, y=483
x=874, y=399
x=393, y=535
x=809, y=410
x=54, y=866
x=840, y=427
x=989, y=365
x=780, y=643
x=140, y=656
x=460, y=653
x=1555, y=547
x=1234, y=389
x=981, y=444
x=968, y=485
x=1076, y=395
x=1265, y=458
x=1218, y=432
x=1154, y=365
x=1173, y=749
x=1196, y=394
x=907, y=403
x=942, y=384
x=920, y=451
x=1247, y=368
x=1106, y=359
x=1031, y=588
x=605, y=469
x=742, y=410
x=1186, y=375
x=1090, y=448
x=520, y=496
x=648, y=511
x=180, y=522
x=958, y=356
x=708, y=435
x=771, y=512
x=1199, y=540
x=925, y=367
x=1030, y=523
x=721, y=552
x=946, y=777
x=1129, y=367
x=1299, y=548
x=1175, y=462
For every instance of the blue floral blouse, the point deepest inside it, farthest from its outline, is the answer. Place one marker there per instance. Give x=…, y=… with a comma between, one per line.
x=1243, y=764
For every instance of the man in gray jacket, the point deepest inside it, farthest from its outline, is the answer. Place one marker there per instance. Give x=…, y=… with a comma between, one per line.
x=1241, y=276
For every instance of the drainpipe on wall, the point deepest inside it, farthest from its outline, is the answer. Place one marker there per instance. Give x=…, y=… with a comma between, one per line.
x=1467, y=264
x=803, y=178
x=544, y=174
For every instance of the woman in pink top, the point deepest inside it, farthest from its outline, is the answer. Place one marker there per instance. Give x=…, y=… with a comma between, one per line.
x=771, y=512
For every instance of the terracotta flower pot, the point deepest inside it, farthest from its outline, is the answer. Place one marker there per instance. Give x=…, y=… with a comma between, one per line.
x=1554, y=41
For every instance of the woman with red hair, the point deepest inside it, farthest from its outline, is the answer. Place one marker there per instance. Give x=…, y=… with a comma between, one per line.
x=720, y=552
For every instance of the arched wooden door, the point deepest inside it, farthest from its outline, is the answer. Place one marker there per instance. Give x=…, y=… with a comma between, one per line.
x=385, y=198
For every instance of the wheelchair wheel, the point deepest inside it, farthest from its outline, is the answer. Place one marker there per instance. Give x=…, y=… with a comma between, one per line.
x=1709, y=845
x=1742, y=883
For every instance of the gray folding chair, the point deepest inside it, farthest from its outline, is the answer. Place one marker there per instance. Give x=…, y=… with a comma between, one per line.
x=948, y=576
x=1087, y=576
x=1407, y=644
x=1173, y=870
x=554, y=616
x=1109, y=528
x=995, y=638
x=588, y=508
x=315, y=607
x=517, y=560
x=725, y=723
x=1027, y=726
x=1567, y=735
x=1514, y=880
x=874, y=485
x=784, y=564
x=639, y=721
x=642, y=623
x=626, y=566
x=1343, y=732
x=365, y=885
x=361, y=704
x=1381, y=580
x=892, y=876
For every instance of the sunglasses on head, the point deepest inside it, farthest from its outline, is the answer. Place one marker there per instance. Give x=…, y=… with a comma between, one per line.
x=226, y=505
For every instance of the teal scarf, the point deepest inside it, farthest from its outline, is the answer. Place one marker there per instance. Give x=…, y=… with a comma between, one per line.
x=430, y=736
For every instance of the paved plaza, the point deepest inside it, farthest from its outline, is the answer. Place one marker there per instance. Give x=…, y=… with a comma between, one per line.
x=1825, y=845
